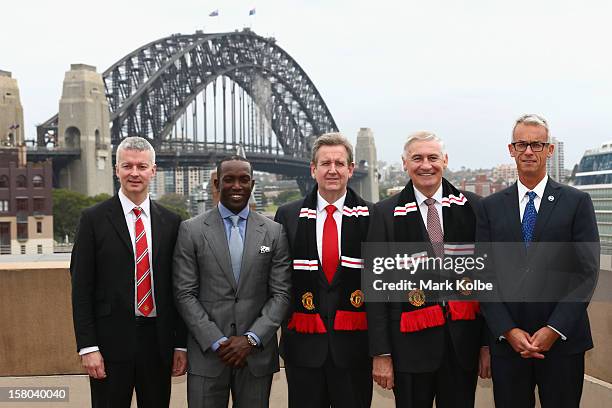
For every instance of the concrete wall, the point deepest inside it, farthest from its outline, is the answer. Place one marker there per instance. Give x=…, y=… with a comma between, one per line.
x=36, y=338
x=36, y=334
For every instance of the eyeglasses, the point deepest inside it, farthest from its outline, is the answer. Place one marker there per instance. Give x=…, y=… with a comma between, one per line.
x=535, y=146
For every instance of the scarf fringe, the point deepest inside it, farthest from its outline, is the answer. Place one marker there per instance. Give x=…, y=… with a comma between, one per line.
x=463, y=310
x=306, y=323
x=421, y=319
x=346, y=320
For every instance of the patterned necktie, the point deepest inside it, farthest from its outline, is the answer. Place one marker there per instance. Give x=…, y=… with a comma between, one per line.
x=144, y=298
x=434, y=229
x=330, y=252
x=235, y=246
x=529, y=219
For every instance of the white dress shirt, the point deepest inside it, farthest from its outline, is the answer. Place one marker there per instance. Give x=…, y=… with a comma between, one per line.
x=424, y=209
x=130, y=219
x=523, y=199
x=322, y=216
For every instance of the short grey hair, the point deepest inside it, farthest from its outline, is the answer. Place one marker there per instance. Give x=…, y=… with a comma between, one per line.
x=533, y=120
x=332, y=139
x=423, y=135
x=136, y=143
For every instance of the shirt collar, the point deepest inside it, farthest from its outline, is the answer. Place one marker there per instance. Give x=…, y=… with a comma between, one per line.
x=127, y=205
x=321, y=203
x=539, y=189
x=420, y=197
x=225, y=212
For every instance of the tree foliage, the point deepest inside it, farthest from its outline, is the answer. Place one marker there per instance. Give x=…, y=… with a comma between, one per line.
x=176, y=203
x=287, y=196
x=67, y=208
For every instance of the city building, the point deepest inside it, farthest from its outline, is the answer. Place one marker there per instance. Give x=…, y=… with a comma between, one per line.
x=482, y=185
x=505, y=172
x=594, y=175
x=555, y=166
x=26, y=204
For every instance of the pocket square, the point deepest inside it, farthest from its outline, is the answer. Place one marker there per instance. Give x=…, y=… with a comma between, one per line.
x=264, y=249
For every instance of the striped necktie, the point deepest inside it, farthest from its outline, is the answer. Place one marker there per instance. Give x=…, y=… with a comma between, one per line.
x=144, y=295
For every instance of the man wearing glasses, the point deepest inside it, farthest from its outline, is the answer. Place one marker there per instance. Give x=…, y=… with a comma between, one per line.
x=539, y=320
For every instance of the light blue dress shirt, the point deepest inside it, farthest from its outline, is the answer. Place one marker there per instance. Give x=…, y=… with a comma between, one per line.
x=227, y=222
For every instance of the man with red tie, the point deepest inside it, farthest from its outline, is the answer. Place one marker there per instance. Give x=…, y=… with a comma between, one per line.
x=324, y=343
x=127, y=330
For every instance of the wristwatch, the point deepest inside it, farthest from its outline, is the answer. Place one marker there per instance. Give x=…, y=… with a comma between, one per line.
x=251, y=340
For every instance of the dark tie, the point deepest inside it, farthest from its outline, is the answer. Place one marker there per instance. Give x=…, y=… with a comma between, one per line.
x=529, y=219
x=330, y=251
x=434, y=229
x=144, y=298
x=235, y=246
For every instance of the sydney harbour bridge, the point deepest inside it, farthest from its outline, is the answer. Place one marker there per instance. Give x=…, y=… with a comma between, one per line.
x=197, y=98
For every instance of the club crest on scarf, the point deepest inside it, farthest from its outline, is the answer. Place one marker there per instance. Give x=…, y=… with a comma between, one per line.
x=307, y=268
x=459, y=227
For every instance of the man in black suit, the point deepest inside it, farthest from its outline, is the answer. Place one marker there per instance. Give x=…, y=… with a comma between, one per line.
x=426, y=348
x=552, y=267
x=325, y=344
x=127, y=330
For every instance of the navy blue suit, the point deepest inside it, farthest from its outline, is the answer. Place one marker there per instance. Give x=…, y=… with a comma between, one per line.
x=555, y=277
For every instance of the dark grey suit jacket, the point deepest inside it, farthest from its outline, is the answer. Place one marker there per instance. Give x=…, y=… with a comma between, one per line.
x=213, y=305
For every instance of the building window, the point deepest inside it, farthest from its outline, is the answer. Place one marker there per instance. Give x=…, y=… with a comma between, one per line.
x=5, y=238
x=22, y=204
x=4, y=181
x=4, y=206
x=39, y=204
x=39, y=227
x=21, y=181
x=22, y=249
x=38, y=181
x=22, y=230
x=39, y=249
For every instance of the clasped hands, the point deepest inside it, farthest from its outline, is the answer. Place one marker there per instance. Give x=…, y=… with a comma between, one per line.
x=531, y=346
x=234, y=351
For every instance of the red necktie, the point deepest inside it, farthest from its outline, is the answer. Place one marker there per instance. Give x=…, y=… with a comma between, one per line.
x=330, y=244
x=144, y=296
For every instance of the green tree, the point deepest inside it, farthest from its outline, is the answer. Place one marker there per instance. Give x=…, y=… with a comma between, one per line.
x=67, y=208
x=176, y=203
x=287, y=196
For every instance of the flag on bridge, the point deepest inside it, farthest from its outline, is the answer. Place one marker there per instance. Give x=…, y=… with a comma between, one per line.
x=252, y=12
x=214, y=13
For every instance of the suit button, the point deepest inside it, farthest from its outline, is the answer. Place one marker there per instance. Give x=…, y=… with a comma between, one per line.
x=233, y=325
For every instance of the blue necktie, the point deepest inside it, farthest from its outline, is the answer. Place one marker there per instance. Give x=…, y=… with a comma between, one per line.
x=235, y=246
x=529, y=219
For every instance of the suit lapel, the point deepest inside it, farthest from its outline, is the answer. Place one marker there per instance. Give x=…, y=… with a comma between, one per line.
x=156, y=230
x=254, y=235
x=117, y=220
x=215, y=235
x=552, y=192
x=513, y=218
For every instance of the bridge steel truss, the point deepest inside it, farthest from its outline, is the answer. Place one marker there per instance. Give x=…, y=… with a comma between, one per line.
x=149, y=90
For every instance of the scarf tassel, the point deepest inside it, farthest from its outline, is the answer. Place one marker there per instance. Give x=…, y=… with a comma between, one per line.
x=421, y=319
x=346, y=320
x=306, y=323
x=463, y=310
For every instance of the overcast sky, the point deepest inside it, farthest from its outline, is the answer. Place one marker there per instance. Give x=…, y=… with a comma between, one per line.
x=464, y=69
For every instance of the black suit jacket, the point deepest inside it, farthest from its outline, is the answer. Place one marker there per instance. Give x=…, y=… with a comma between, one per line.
x=348, y=349
x=102, y=269
x=420, y=351
x=561, y=264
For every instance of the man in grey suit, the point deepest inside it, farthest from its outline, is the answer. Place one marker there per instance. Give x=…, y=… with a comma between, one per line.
x=232, y=282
